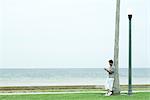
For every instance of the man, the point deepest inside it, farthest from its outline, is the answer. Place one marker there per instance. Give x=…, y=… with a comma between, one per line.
x=110, y=80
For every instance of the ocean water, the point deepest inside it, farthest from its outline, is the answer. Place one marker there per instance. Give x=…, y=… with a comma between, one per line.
x=68, y=76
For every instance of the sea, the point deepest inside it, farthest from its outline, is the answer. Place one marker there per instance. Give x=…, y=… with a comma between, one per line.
x=68, y=76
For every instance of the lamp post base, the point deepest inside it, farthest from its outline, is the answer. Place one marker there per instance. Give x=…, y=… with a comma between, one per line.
x=129, y=92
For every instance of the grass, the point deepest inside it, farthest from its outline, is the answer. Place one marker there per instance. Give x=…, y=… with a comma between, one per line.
x=80, y=96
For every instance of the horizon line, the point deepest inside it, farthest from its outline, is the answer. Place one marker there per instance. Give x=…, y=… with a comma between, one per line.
x=65, y=67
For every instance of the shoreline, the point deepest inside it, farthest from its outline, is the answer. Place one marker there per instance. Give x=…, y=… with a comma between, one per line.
x=68, y=88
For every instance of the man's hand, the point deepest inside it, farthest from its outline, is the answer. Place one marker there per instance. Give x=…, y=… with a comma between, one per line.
x=105, y=69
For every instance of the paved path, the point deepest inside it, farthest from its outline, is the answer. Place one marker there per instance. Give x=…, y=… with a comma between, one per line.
x=48, y=93
x=63, y=92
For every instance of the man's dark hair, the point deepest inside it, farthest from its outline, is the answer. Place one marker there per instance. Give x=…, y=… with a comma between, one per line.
x=110, y=61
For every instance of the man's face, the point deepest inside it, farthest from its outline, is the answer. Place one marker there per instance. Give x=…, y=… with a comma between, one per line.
x=110, y=63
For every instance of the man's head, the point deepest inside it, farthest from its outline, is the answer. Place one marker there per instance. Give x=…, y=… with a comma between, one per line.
x=110, y=62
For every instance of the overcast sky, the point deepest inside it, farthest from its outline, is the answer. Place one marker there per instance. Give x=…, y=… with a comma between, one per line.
x=71, y=33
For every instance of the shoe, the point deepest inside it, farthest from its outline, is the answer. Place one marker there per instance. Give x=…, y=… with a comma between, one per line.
x=110, y=93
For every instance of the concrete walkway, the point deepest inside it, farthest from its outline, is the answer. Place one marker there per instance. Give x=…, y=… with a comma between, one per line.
x=63, y=92
x=48, y=93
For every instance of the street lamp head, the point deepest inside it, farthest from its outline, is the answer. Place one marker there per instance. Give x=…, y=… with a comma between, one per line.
x=129, y=14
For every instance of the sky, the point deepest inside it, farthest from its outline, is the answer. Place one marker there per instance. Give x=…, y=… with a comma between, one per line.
x=71, y=33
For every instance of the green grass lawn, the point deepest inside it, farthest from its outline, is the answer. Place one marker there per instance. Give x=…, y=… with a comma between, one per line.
x=81, y=96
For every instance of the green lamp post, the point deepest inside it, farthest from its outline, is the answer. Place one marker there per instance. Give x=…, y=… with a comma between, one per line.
x=130, y=58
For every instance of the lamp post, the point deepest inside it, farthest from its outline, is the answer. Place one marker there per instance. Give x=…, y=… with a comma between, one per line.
x=130, y=58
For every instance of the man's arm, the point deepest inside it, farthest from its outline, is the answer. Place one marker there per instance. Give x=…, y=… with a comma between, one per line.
x=109, y=71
